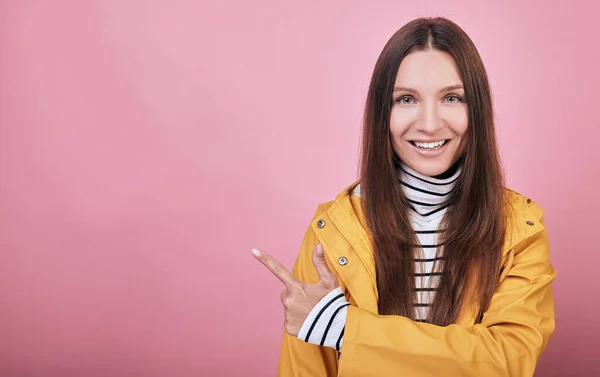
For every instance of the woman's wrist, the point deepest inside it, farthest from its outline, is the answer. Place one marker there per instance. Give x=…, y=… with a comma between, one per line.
x=325, y=324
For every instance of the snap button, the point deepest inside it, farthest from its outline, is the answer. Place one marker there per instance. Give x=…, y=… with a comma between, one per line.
x=321, y=224
x=343, y=261
x=530, y=223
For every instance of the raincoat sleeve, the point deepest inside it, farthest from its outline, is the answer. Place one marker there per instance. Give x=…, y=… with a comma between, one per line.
x=514, y=330
x=298, y=358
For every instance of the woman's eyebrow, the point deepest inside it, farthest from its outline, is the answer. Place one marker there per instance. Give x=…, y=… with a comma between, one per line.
x=452, y=87
x=411, y=90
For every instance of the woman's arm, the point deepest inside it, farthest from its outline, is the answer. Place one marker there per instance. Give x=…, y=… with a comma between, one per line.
x=514, y=331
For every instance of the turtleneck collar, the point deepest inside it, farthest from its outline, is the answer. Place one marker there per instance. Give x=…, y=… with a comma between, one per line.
x=428, y=196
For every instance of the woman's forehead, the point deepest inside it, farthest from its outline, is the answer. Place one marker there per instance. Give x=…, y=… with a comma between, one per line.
x=428, y=70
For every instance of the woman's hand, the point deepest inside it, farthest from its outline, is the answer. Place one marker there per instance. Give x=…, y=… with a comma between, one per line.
x=300, y=298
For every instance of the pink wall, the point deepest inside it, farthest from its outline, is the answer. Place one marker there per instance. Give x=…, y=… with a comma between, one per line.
x=147, y=146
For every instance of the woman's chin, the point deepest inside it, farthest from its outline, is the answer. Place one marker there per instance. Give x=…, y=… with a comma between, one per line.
x=431, y=167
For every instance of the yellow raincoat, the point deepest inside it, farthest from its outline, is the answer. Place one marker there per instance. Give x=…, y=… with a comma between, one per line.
x=508, y=342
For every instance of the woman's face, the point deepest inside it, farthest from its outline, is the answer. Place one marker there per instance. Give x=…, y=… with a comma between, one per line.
x=429, y=118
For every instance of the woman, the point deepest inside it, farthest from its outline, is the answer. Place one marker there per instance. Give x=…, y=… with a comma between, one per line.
x=428, y=265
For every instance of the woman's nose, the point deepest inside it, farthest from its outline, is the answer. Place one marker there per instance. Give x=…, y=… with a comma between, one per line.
x=430, y=120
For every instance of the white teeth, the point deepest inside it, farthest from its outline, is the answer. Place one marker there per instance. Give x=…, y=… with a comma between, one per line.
x=436, y=144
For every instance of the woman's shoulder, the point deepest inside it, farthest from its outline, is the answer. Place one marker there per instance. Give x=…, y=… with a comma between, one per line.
x=347, y=199
x=522, y=205
x=524, y=219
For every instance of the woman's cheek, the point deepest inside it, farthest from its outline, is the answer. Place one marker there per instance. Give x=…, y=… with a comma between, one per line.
x=399, y=121
x=458, y=119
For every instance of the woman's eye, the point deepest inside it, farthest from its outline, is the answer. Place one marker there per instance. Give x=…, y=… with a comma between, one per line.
x=453, y=98
x=405, y=100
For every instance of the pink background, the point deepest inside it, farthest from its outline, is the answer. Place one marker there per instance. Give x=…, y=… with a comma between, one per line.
x=147, y=146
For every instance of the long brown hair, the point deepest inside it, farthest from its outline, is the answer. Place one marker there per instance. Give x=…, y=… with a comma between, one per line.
x=474, y=223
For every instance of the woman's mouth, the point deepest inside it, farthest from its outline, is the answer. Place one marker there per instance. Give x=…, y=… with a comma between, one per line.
x=429, y=146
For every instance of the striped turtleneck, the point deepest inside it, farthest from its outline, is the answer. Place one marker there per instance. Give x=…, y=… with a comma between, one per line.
x=428, y=198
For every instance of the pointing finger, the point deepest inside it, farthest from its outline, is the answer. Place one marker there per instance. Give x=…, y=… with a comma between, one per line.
x=276, y=268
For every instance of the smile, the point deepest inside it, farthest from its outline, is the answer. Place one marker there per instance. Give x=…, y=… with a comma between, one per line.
x=429, y=146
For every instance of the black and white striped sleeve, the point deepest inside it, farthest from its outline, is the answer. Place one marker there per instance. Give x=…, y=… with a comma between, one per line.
x=325, y=323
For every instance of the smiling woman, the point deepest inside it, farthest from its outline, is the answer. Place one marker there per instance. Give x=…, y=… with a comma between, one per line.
x=428, y=265
x=428, y=118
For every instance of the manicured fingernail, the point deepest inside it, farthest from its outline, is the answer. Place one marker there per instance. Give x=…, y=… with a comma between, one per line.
x=320, y=249
x=256, y=252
